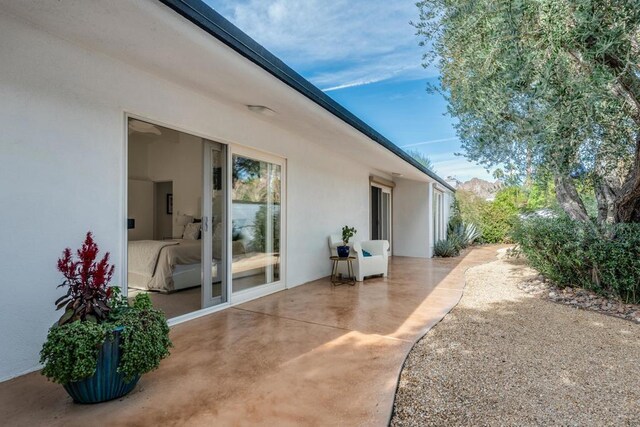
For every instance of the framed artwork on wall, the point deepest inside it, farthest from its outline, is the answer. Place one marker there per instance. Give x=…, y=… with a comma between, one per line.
x=170, y=204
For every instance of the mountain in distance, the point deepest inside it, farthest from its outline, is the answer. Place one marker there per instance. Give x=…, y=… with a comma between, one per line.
x=483, y=189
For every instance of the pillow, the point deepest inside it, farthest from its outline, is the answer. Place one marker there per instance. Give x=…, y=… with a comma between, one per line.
x=365, y=253
x=192, y=231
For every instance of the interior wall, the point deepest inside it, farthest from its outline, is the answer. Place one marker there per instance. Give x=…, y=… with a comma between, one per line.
x=62, y=115
x=171, y=156
x=163, y=221
x=140, y=198
x=179, y=161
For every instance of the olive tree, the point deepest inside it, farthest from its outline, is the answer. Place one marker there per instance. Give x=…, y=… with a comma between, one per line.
x=547, y=87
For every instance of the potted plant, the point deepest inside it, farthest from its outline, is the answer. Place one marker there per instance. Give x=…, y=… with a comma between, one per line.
x=347, y=233
x=101, y=345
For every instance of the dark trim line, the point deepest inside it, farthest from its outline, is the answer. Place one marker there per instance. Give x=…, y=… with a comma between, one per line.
x=200, y=14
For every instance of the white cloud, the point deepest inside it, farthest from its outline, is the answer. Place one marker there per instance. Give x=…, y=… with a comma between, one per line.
x=360, y=41
x=432, y=141
x=447, y=164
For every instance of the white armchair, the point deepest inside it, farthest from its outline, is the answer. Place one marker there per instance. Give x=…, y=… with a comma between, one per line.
x=377, y=263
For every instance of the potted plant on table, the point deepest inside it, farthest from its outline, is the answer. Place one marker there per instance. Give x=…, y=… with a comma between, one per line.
x=101, y=345
x=347, y=233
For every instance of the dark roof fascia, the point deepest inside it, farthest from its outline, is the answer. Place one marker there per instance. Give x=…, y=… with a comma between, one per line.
x=202, y=15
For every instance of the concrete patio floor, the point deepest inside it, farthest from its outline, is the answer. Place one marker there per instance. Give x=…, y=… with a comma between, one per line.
x=312, y=355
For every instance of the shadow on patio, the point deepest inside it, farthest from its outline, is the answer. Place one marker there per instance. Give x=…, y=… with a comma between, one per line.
x=312, y=355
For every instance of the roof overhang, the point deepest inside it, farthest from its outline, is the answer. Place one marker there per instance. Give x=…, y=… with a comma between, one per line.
x=230, y=67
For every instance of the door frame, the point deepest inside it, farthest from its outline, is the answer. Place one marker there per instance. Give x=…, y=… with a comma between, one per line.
x=207, y=298
x=388, y=190
x=269, y=288
x=231, y=149
x=439, y=225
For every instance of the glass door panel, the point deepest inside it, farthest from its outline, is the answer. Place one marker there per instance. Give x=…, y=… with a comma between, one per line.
x=214, y=227
x=386, y=216
x=381, y=209
x=376, y=231
x=256, y=222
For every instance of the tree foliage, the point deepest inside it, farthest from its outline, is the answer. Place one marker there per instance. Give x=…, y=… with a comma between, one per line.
x=546, y=87
x=422, y=158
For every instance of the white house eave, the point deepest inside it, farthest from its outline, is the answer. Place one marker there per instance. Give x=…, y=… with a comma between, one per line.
x=152, y=37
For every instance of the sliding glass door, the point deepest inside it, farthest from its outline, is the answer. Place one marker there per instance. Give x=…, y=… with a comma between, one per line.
x=256, y=211
x=381, y=210
x=207, y=217
x=214, y=229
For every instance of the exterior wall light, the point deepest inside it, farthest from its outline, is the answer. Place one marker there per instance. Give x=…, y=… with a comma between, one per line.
x=261, y=109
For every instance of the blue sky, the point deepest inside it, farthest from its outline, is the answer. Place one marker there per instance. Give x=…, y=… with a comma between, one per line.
x=365, y=55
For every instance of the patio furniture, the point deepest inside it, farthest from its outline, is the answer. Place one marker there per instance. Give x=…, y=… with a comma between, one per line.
x=377, y=261
x=337, y=279
x=335, y=240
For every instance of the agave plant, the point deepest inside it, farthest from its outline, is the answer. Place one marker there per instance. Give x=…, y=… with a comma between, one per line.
x=471, y=233
x=445, y=249
x=463, y=234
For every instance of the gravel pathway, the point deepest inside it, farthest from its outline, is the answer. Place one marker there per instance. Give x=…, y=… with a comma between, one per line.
x=506, y=357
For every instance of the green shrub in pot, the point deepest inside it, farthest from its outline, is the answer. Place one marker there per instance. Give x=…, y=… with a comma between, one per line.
x=101, y=344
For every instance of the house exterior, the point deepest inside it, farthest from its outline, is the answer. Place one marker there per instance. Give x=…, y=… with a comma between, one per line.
x=79, y=81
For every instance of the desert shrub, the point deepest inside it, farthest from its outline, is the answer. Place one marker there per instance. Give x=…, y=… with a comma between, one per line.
x=571, y=253
x=455, y=215
x=616, y=261
x=496, y=224
x=445, y=248
x=494, y=219
x=556, y=248
x=498, y=217
x=468, y=205
x=465, y=232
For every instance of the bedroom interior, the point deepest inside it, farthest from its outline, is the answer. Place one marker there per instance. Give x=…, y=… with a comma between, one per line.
x=175, y=241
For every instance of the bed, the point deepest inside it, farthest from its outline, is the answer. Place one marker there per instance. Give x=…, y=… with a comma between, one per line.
x=171, y=265
x=164, y=266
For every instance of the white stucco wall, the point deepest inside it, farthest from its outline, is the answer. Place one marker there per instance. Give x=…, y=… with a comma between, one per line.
x=62, y=147
x=411, y=219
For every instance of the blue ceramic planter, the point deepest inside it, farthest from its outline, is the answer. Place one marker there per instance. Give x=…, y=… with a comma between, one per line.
x=343, y=251
x=107, y=383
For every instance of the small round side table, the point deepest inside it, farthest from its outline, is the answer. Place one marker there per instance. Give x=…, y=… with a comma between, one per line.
x=335, y=279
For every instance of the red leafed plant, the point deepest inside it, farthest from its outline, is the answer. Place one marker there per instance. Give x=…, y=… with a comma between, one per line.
x=87, y=281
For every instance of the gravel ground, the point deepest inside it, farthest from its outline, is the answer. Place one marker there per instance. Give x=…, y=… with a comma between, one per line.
x=505, y=357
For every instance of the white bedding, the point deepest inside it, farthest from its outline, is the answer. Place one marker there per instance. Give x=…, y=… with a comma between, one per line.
x=151, y=263
x=143, y=255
